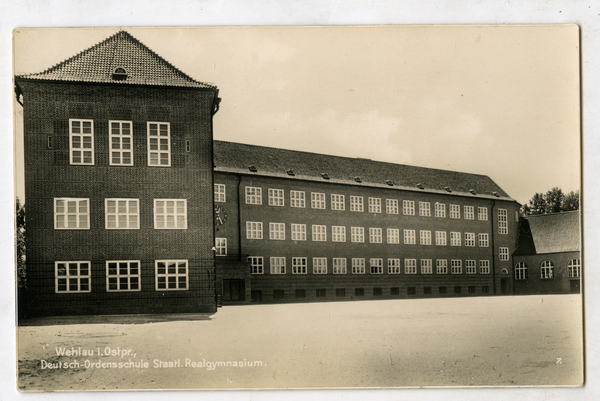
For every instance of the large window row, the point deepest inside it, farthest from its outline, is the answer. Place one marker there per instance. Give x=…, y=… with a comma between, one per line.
x=547, y=269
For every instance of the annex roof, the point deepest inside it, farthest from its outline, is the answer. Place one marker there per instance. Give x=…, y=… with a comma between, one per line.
x=550, y=233
x=134, y=63
x=260, y=160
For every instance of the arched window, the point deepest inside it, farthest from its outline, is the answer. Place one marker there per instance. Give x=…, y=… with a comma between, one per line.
x=119, y=74
x=521, y=271
x=574, y=266
x=547, y=269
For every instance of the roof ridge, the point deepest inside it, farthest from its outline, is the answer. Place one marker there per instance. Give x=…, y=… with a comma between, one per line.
x=553, y=214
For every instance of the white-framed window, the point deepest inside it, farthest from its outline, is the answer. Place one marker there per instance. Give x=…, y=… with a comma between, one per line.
x=338, y=202
x=317, y=200
x=456, y=266
x=298, y=232
x=393, y=266
x=297, y=199
x=276, y=197
x=358, y=266
x=376, y=265
x=484, y=240
x=121, y=141
x=503, y=253
x=440, y=209
x=72, y=276
x=256, y=264
x=455, y=239
x=159, y=144
x=123, y=275
x=357, y=234
x=502, y=221
x=424, y=209
x=171, y=275
x=441, y=266
x=375, y=235
x=454, y=211
x=220, y=193
x=71, y=214
x=254, y=230
x=319, y=233
x=170, y=214
x=547, y=269
x=426, y=266
x=410, y=237
x=393, y=236
x=440, y=238
x=482, y=213
x=521, y=271
x=81, y=141
x=339, y=266
x=338, y=233
x=221, y=246
x=391, y=206
x=253, y=196
x=319, y=265
x=277, y=231
x=121, y=214
x=425, y=236
x=408, y=208
x=469, y=213
x=469, y=239
x=374, y=205
x=277, y=265
x=410, y=266
x=470, y=266
x=356, y=204
x=484, y=267
x=574, y=268
x=298, y=265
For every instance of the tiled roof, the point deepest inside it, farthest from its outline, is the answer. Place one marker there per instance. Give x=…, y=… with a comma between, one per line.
x=549, y=233
x=98, y=63
x=239, y=158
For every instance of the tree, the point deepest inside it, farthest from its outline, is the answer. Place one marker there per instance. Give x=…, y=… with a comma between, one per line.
x=553, y=201
x=20, y=237
x=571, y=201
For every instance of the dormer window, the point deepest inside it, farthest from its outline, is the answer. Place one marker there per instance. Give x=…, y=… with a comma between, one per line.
x=253, y=169
x=119, y=74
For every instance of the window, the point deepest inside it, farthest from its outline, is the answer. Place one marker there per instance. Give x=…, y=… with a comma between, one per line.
x=219, y=192
x=72, y=277
x=276, y=197
x=356, y=204
x=516, y=216
x=442, y=290
x=457, y=289
x=187, y=146
x=221, y=246
x=300, y=293
x=358, y=266
x=424, y=209
x=456, y=266
x=254, y=230
x=410, y=266
x=81, y=139
x=375, y=235
x=317, y=200
x=297, y=199
x=256, y=264
x=339, y=265
x=319, y=233
x=426, y=266
x=123, y=275
x=255, y=296
x=71, y=214
x=470, y=267
x=521, y=271
x=574, y=267
x=410, y=237
x=391, y=206
x=277, y=265
x=121, y=139
x=547, y=269
x=454, y=239
x=427, y=290
x=471, y=289
x=440, y=238
x=359, y=292
x=393, y=236
x=298, y=265
x=469, y=213
x=425, y=237
x=121, y=214
x=377, y=291
x=502, y=221
x=482, y=213
x=159, y=144
x=395, y=291
x=440, y=209
x=469, y=239
x=321, y=292
x=454, y=211
x=298, y=232
x=277, y=231
x=483, y=240
x=376, y=265
x=503, y=253
x=49, y=144
x=411, y=290
x=253, y=196
x=441, y=266
x=484, y=267
x=340, y=292
x=319, y=265
x=338, y=202
x=393, y=266
x=278, y=294
x=338, y=233
x=171, y=275
x=485, y=289
x=357, y=234
x=170, y=214
x=408, y=208
x=374, y=205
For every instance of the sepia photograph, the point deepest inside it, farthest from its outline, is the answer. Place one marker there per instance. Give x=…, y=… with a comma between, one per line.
x=298, y=207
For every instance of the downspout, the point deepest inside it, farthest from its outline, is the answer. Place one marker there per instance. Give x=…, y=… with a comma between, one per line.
x=492, y=217
x=215, y=108
x=239, y=211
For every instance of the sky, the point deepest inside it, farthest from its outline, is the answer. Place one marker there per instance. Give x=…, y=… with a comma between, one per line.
x=501, y=101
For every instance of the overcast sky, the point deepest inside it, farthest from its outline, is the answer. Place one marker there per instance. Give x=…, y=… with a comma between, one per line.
x=499, y=101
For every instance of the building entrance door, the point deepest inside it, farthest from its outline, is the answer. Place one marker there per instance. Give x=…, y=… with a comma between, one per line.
x=503, y=286
x=575, y=287
x=233, y=289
